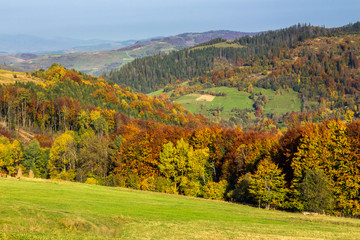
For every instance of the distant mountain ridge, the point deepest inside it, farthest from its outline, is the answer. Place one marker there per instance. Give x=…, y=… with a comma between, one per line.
x=14, y=44
x=191, y=39
x=87, y=60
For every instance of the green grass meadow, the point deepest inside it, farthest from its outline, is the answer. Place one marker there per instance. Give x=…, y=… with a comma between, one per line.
x=233, y=98
x=226, y=44
x=156, y=93
x=40, y=209
x=280, y=101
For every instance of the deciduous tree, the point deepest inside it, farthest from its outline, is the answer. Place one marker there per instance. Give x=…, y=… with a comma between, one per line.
x=267, y=184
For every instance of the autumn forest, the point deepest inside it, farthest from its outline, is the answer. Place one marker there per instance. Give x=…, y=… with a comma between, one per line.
x=107, y=131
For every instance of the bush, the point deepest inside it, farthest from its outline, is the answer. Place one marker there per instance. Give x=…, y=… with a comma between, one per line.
x=164, y=185
x=132, y=181
x=66, y=175
x=189, y=188
x=148, y=184
x=119, y=180
x=92, y=180
x=213, y=190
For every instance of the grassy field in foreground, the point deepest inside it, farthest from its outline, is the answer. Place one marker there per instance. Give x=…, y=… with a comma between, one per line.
x=62, y=210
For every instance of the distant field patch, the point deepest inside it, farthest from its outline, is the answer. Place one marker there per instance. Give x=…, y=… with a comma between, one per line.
x=156, y=93
x=228, y=99
x=232, y=99
x=226, y=44
x=9, y=77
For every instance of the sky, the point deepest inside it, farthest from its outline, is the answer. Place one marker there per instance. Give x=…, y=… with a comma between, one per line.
x=120, y=20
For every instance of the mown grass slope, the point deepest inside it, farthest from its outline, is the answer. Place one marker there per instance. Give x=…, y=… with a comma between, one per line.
x=232, y=44
x=62, y=210
x=280, y=101
x=9, y=77
x=233, y=98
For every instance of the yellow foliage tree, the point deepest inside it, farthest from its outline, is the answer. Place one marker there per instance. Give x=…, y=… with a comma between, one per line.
x=62, y=154
x=184, y=166
x=17, y=153
x=6, y=159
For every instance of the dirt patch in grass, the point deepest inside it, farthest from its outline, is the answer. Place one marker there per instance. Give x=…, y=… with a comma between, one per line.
x=208, y=98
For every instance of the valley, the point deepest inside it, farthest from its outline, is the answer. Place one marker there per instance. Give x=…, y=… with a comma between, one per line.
x=270, y=121
x=179, y=120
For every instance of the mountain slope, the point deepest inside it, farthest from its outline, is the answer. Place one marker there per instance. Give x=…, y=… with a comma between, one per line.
x=317, y=78
x=152, y=73
x=302, y=72
x=191, y=39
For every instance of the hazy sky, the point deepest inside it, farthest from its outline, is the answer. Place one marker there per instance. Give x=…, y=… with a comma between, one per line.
x=138, y=19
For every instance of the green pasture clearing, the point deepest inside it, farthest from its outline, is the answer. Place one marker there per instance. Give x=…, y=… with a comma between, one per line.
x=233, y=99
x=280, y=101
x=156, y=93
x=222, y=45
x=189, y=103
x=63, y=210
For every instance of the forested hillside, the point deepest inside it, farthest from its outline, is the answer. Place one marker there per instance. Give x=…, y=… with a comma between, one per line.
x=152, y=73
x=65, y=93
x=323, y=72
